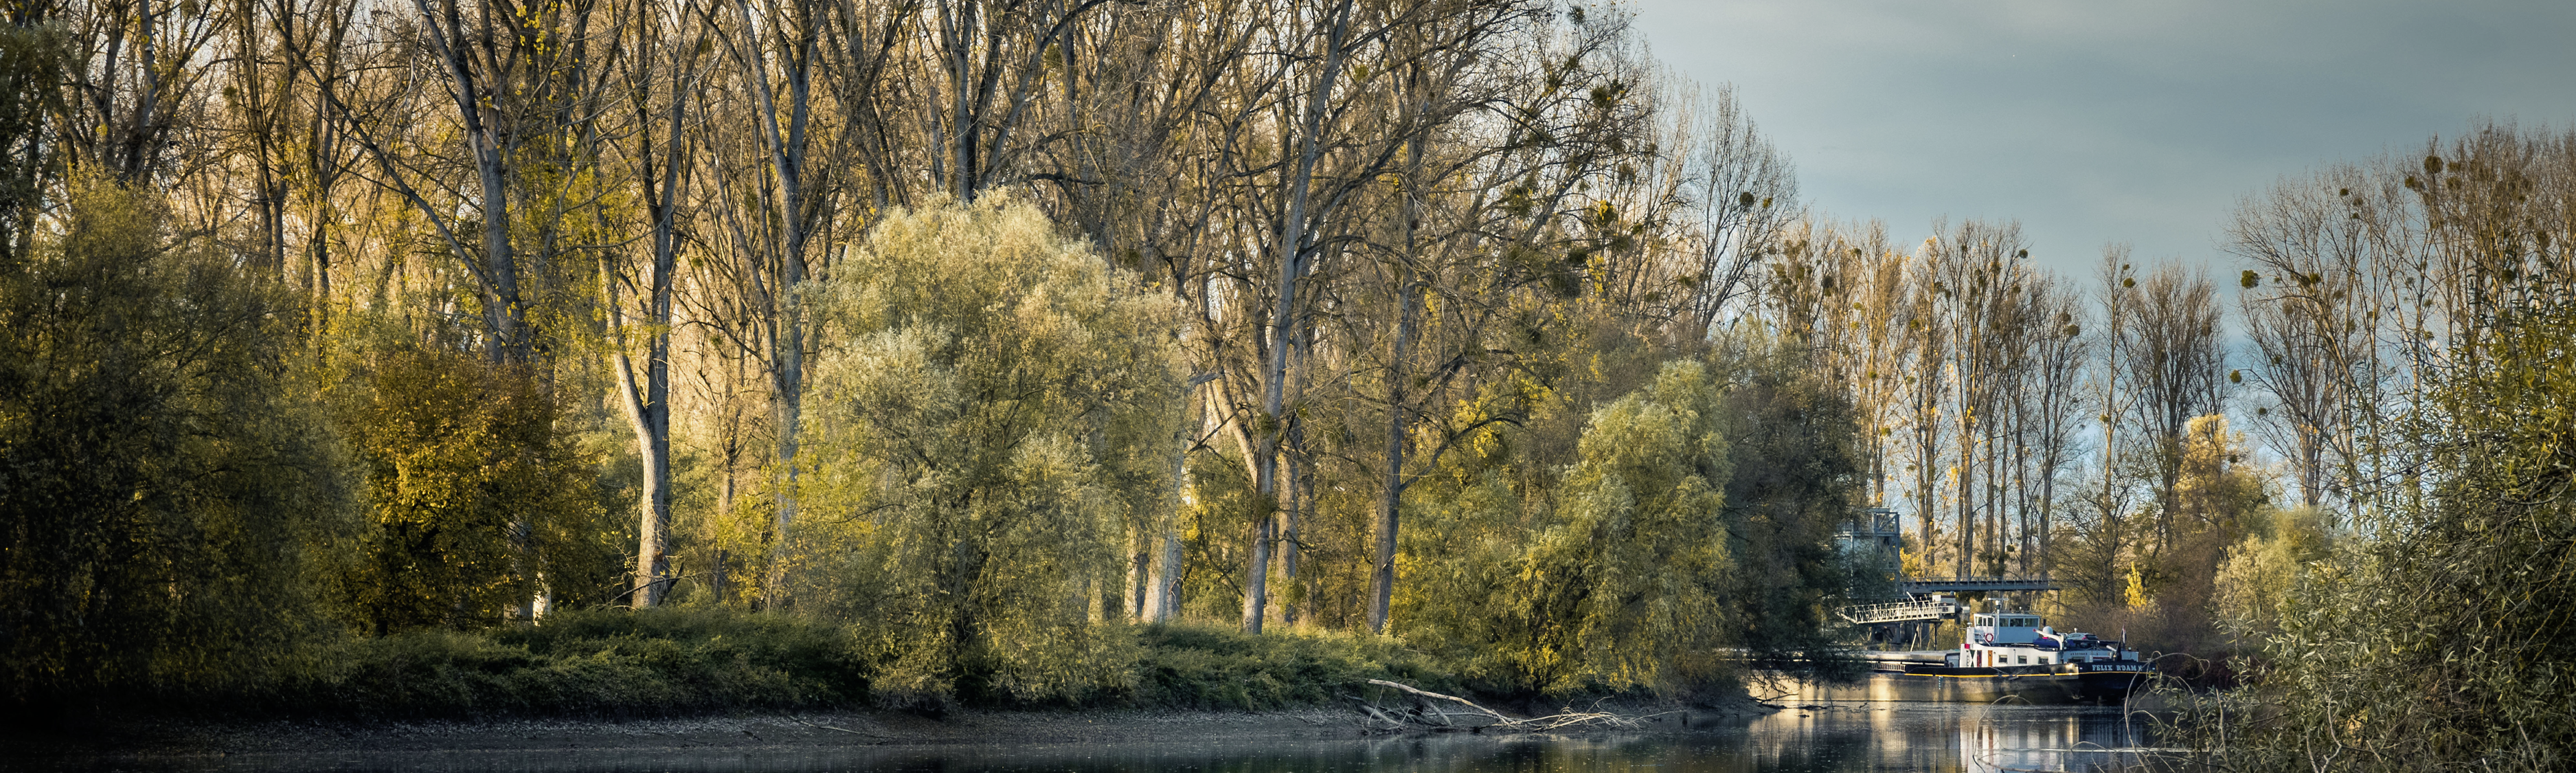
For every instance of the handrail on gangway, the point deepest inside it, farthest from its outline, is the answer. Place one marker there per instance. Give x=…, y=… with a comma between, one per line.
x=1899, y=611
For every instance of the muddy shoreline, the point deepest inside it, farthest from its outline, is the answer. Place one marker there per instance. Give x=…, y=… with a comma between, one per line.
x=163, y=743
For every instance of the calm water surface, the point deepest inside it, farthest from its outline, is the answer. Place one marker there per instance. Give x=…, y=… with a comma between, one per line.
x=1893, y=738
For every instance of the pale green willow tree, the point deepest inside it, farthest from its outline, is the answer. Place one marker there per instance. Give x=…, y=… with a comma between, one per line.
x=995, y=406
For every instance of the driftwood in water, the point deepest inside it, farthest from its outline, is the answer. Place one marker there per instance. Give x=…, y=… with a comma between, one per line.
x=801, y=721
x=1434, y=711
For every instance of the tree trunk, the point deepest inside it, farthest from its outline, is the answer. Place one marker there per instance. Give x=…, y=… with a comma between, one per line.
x=1298, y=485
x=1284, y=318
x=502, y=313
x=719, y=575
x=1297, y=491
x=1167, y=578
x=958, y=26
x=2047, y=506
x=1967, y=564
x=1256, y=568
x=1131, y=604
x=785, y=147
x=648, y=413
x=1391, y=488
x=648, y=405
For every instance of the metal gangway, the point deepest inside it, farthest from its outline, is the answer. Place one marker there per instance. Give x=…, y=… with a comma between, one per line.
x=1899, y=611
x=1936, y=598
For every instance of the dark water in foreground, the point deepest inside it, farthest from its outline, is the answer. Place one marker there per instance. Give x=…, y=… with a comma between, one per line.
x=1891, y=738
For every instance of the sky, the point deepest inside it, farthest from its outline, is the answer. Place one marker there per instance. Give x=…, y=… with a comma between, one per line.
x=2142, y=123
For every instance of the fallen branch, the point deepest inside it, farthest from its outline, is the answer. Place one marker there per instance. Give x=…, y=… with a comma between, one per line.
x=1377, y=720
x=1433, y=714
x=829, y=727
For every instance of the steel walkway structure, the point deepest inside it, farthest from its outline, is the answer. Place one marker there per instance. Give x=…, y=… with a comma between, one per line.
x=1937, y=598
x=1898, y=612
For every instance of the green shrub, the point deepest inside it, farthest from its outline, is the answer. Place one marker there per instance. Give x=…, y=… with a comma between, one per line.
x=684, y=661
x=1205, y=667
x=595, y=663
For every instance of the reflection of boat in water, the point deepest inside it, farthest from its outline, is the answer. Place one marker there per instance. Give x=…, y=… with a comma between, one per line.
x=2028, y=740
x=1924, y=737
x=2005, y=656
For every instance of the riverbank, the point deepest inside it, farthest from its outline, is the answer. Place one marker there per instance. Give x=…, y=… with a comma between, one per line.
x=158, y=738
x=180, y=744
x=713, y=680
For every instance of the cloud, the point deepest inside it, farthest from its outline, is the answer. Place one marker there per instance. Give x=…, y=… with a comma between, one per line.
x=2091, y=122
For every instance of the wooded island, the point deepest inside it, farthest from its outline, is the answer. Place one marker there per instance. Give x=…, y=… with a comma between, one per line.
x=441, y=357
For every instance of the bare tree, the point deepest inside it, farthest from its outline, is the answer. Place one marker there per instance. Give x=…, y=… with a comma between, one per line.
x=777, y=53
x=1879, y=285
x=2057, y=358
x=1927, y=343
x=1974, y=287
x=657, y=83
x=1448, y=226
x=1308, y=215
x=2174, y=365
x=1742, y=193
x=2099, y=575
x=137, y=77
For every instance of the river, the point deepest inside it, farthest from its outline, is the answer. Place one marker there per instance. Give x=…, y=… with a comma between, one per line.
x=1879, y=738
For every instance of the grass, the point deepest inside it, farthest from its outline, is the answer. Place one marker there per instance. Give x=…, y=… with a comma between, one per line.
x=671, y=662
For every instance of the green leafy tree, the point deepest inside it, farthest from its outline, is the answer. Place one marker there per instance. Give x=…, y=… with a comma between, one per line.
x=163, y=489
x=994, y=405
x=2261, y=572
x=1611, y=579
x=479, y=507
x=1798, y=471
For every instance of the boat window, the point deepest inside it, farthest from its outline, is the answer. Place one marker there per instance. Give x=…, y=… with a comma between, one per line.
x=2025, y=660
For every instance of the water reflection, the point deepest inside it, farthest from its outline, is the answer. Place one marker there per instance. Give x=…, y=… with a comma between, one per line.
x=1893, y=738
x=1917, y=737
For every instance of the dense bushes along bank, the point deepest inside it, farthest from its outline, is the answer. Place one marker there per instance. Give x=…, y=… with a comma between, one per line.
x=666, y=662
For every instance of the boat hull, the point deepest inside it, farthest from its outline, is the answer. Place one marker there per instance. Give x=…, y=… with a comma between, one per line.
x=2033, y=685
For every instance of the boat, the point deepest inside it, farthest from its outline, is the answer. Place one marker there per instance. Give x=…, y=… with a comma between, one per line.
x=2004, y=656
